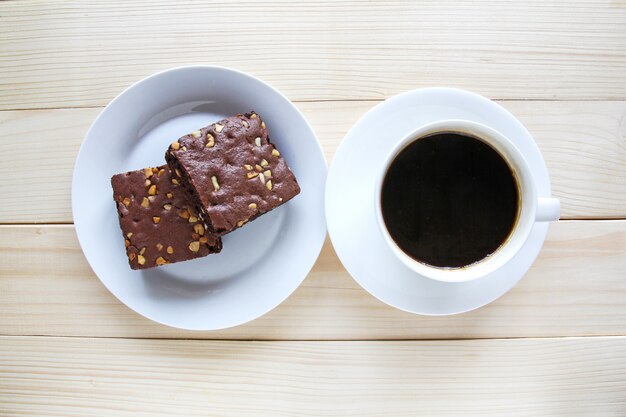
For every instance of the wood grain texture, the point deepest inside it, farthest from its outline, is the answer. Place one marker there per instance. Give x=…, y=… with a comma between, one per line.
x=584, y=144
x=73, y=53
x=38, y=178
x=103, y=377
x=575, y=288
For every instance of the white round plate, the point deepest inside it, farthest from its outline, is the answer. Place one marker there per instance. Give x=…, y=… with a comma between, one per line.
x=350, y=205
x=261, y=263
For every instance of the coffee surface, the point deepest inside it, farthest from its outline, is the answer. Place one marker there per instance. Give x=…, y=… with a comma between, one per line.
x=449, y=200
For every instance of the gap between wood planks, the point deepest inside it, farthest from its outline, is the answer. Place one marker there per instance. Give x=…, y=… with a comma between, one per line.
x=370, y=100
x=392, y=340
x=569, y=219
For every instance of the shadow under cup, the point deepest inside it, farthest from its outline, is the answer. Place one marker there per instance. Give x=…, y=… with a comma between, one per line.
x=456, y=200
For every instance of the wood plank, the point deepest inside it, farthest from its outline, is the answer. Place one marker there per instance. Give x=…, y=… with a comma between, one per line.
x=584, y=144
x=575, y=288
x=38, y=182
x=74, y=54
x=122, y=377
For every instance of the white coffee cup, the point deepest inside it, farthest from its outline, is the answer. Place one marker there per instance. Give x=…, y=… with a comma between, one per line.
x=532, y=208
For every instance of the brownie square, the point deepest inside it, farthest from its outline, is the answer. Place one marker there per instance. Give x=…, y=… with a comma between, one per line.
x=232, y=172
x=159, y=224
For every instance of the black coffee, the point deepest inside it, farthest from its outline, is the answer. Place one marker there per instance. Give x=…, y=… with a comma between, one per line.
x=449, y=200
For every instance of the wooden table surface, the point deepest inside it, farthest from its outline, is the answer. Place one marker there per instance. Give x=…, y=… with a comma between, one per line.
x=553, y=346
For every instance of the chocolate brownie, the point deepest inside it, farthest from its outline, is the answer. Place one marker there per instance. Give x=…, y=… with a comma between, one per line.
x=158, y=223
x=232, y=172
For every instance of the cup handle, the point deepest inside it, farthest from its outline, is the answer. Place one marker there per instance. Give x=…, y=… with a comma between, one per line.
x=548, y=209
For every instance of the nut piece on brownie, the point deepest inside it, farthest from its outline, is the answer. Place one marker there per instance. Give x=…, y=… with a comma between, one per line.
x=159, y=225
x=232, y=172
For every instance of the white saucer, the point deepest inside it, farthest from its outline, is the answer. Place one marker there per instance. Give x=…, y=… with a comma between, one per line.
x=350, y=205
x=261, y=263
